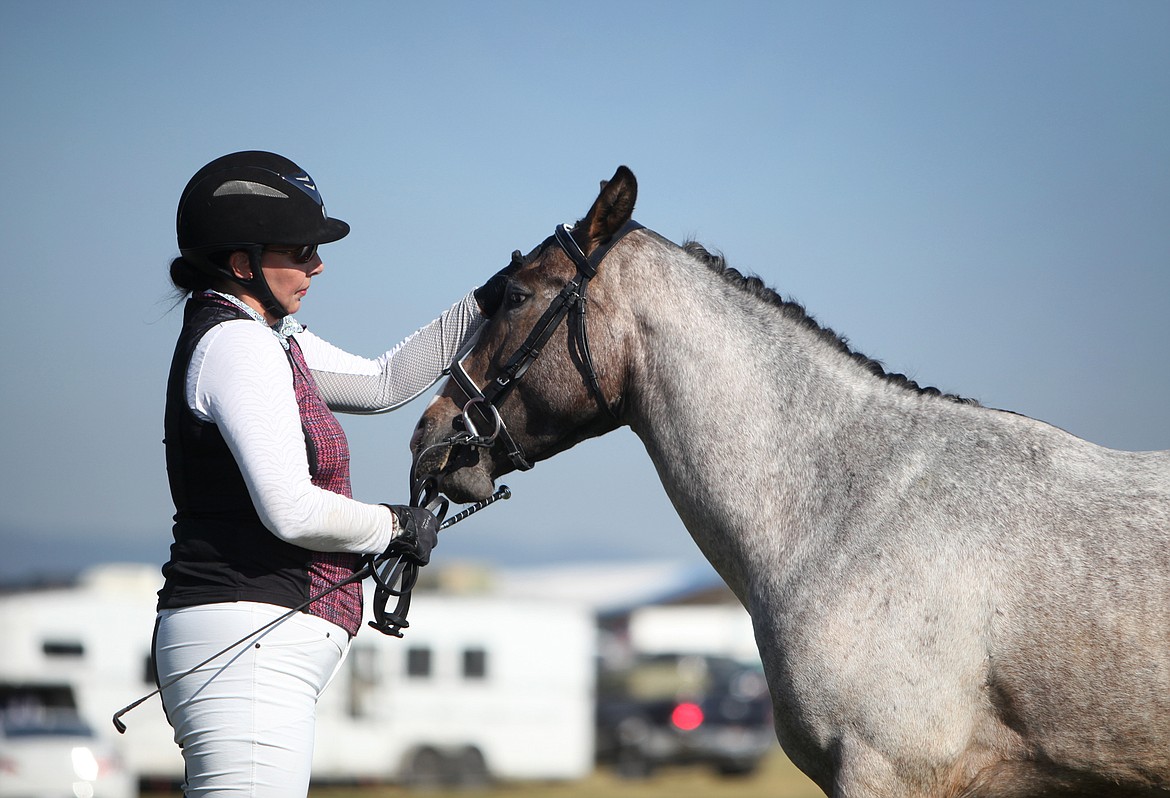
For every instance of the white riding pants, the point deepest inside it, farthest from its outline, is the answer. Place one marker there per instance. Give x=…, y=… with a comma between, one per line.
x=245, y=720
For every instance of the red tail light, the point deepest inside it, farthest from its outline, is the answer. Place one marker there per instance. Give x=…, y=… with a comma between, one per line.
x=687, y=716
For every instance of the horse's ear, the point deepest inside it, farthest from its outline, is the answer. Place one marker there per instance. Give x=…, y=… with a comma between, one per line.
x=613, y=208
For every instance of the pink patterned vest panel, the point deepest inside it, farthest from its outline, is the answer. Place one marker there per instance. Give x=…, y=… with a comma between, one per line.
x=329, y=467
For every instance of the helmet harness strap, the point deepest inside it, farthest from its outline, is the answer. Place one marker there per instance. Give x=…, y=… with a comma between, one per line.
x=258, y=285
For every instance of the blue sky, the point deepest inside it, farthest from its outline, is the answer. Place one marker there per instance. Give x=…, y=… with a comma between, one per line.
x=977, y=194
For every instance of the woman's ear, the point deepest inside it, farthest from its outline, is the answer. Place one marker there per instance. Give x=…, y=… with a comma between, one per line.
x=241, y=264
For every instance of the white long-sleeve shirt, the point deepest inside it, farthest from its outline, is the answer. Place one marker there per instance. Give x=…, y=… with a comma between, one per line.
x=239, y=379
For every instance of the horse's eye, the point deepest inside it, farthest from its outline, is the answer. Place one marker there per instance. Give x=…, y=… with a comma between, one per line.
x=516, y=297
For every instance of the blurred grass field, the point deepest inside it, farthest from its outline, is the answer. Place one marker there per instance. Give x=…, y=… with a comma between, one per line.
x=776, y=778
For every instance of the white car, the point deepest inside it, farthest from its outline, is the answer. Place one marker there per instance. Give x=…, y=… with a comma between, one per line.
x=53, y=753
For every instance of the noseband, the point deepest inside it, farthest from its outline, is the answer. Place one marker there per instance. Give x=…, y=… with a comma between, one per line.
x=571, y=299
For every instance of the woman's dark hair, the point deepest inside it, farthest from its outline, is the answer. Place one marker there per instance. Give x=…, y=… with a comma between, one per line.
x=189, y=278
x=186, y=278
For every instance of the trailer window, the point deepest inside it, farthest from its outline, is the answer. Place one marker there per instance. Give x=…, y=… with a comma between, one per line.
x=474, y=663
x=62, y=648
x=418, y=662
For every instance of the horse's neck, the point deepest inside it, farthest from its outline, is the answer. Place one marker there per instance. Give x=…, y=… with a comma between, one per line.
x=747, y=417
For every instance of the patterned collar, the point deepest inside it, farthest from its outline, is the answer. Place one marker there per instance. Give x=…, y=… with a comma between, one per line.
x=283, y=329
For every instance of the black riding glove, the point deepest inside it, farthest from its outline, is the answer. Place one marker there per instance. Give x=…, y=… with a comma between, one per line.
x=418, y=533
x=490, y=295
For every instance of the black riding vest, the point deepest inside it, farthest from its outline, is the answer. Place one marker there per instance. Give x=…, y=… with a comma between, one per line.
x=222, y=551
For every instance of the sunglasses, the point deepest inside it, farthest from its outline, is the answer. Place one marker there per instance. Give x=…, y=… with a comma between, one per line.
x=301, y=254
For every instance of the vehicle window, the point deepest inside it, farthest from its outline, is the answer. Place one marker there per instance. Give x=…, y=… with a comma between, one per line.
x=668, y=678
x=43, y=722
x=26, y=694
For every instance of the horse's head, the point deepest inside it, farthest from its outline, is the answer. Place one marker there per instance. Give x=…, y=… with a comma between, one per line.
x=544, y=373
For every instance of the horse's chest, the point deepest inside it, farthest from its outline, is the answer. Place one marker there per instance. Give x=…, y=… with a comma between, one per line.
x=869, y=659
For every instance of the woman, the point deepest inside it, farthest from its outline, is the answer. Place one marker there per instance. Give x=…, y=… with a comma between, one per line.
x=259, y=473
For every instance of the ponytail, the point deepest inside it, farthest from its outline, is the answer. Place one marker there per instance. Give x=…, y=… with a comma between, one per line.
x=189, y=278
x=194, y=273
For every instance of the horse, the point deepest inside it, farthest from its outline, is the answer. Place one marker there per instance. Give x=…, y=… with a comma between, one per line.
x=949, y=600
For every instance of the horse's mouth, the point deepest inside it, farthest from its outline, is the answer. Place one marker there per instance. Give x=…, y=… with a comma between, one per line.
x=466, y=485
x=458, y=472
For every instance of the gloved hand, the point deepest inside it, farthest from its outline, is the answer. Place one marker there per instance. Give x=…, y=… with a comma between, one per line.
x=490, y=295
x=418, y=533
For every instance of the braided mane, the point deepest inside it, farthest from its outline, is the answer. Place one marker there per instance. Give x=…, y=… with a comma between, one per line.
x=794, y=311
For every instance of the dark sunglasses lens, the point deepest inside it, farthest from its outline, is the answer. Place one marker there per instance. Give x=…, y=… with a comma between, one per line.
x=301, y=254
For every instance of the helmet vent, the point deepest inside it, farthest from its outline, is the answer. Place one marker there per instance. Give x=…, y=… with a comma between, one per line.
x=233, y=187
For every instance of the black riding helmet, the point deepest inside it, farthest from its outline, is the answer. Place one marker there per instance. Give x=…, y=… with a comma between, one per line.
x=245, y=201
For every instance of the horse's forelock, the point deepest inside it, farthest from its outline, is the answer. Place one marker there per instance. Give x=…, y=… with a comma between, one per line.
x=755, y=287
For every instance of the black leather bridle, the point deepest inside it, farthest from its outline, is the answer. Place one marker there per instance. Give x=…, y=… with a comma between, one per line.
x=571, y=299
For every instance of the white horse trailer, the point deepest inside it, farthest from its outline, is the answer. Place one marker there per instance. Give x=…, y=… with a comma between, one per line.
x=479, y=688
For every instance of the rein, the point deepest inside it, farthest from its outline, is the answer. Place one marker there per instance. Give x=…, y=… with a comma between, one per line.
x=395, y=579
x=571, y=300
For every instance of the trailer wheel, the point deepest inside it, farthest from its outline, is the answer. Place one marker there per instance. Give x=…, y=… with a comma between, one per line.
x=426, y=770
x=632, y=763
x=471, y=770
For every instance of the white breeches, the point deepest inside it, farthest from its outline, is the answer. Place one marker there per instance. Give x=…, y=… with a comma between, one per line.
x=245, y=720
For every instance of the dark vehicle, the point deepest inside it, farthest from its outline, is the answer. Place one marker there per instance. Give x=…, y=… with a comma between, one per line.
x=682, y=710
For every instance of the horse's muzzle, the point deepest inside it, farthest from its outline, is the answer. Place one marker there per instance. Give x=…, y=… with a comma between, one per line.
x=459, y=471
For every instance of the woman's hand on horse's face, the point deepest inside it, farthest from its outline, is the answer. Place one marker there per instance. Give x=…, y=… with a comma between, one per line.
x=491, y=294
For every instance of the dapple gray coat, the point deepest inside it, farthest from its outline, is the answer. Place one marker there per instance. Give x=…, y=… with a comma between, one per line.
x=949, y=600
